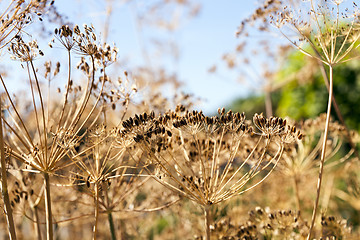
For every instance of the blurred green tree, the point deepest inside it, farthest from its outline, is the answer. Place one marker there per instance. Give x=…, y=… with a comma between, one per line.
x=302, y=94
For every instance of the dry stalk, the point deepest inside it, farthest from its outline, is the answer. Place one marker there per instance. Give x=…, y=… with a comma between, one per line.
x=43, y=150
x=49, y=223
x=331, y=44
x=4, y=188
x=323, y=151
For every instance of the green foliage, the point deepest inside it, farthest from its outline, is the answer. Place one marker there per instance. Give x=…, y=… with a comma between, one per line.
x=300, y=98
x=304, y=95
x=251, y=105
x=159, y=226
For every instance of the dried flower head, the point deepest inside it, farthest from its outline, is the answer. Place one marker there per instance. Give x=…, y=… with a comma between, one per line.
x=331, y=33
x=334, y=229
x=24, y=52
x=64, y=35
x=208, y=159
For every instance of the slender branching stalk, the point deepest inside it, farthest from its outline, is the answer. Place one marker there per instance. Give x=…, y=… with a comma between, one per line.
x=330, y=44
x=96, y=216
x=207, y=212
x=323, y=152
x=337, y=109
x=49, y=222
x=4, y=187
x=111, y=226
x=37, y=222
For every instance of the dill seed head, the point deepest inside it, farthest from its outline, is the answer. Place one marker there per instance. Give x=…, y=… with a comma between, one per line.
x=203, y=157
x=24, y=52
x=64, y=35
x=324, y=32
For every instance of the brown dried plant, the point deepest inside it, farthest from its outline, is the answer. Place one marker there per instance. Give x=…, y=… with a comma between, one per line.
x=46, y=149
x=302, y=161
x=210, y=159
x=113, y=163
x=16, y=15
x=102, y=163
x=97, y=163
x=280, y=224
x=327, y=32
x=112, y=178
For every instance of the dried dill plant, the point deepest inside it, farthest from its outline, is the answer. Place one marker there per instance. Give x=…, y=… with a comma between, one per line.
x=16, y=15
x=263, y=224
x=104, y=168
x=38, y=140
x=302, y=161
x=348, y=191
x=210, y=159
x=106, y=173
x=279, y=224
x=329, y=33
x=97, y=163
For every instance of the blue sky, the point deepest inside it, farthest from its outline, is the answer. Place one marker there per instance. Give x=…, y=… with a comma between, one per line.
x=206, y=39
x=202, y=41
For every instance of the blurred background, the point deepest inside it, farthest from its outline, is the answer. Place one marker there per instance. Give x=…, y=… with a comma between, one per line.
x=223, y=54
x=184, y=39
x=179, y=40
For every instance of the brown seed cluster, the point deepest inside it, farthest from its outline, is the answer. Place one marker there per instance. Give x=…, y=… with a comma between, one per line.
x=18, y=193
x=208, y=159
x=262, y=224
x=24, y=52
x=275, y=126
x=267, y=8
x=85, y=43
x=333, y=228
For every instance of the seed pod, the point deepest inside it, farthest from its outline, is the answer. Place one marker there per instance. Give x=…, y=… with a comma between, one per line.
x=88, y=182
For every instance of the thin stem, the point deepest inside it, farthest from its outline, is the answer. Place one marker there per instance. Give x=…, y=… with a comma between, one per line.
x=27, y=135
x=323, y=150
x=122, y=230
x=49, y=225
x=111, y=225
x=42, y=109
x=4, y=188
x=96, y=209
x=207, y=221
x=37, y=223
x=337, y=110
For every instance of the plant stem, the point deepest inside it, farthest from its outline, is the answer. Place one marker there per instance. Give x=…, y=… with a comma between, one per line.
x=323, y=150
x=207, y=221
x=112, y=228
x=337, y=110
x=37, y=223
x=4, y=188
x=49, y=225
x=96, y=209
